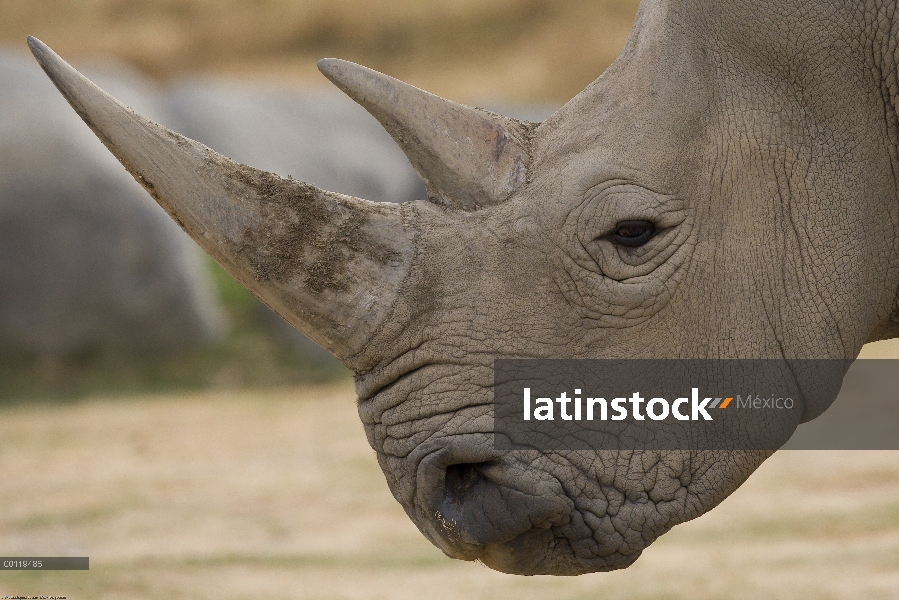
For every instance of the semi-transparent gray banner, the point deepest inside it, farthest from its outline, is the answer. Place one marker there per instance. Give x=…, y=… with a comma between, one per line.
x=44, y=563
x=696, y=404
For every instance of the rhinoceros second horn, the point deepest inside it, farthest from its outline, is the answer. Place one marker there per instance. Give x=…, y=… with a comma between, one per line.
x=468, y=157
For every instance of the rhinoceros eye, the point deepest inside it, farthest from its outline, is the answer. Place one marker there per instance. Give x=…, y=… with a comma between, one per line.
x=632, y=234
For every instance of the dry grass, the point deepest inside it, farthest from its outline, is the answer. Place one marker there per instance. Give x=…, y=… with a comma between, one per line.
x=545, y=50
x=244, y=495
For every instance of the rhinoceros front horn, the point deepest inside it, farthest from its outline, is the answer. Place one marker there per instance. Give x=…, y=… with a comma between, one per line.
x=329, y=264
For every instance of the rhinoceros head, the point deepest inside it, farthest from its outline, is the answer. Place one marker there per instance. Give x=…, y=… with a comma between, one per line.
x=717, y=193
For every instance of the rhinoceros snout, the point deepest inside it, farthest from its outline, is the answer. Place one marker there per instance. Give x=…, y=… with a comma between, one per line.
x=478, y=504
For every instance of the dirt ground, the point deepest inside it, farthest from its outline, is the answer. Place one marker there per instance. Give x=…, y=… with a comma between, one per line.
x=277, y=495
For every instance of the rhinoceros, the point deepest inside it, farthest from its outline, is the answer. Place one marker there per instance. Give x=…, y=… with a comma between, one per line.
x=726, y=189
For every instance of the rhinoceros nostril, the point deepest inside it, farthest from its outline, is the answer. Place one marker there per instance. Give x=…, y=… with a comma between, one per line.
x=459, y=479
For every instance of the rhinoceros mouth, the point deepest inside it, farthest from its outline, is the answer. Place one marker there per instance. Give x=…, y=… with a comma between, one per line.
x=475, y=503
x=496, y=512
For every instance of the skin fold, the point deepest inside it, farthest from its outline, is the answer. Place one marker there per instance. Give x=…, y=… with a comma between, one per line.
x=758, y=139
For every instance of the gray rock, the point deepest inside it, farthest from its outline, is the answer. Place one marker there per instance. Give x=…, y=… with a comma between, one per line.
x=88, y=263
x=535, y=113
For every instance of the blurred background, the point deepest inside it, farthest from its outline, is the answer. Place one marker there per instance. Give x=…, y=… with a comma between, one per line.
x=523, y=50
x=157, y=418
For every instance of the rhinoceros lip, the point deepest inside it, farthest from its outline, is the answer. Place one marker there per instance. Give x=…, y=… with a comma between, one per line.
x=543, y=552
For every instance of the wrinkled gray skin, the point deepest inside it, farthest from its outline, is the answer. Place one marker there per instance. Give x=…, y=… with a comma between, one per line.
x=759, y=137
x=87, y=262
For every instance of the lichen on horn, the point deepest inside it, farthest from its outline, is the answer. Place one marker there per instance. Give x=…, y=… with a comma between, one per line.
x=329, y=264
